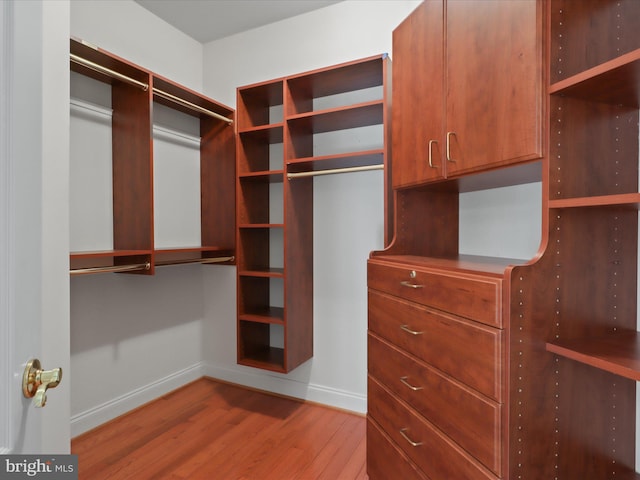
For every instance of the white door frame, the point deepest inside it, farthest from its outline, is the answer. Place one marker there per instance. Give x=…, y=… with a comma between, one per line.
x=6, y=267
x=34, y=219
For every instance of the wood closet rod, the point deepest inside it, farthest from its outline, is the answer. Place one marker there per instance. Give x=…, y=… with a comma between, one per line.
x=108, y=269
x=107, y=71
x=190, y=105
x=334, y=171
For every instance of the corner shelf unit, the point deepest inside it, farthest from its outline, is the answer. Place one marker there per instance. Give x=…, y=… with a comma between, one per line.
x=134, y=90
x=279, y=150
x=578, y=301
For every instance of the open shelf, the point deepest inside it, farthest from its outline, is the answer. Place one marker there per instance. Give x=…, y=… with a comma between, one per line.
x=354, y=116
x=616, y=82
x=629, y=200
x=618, y=353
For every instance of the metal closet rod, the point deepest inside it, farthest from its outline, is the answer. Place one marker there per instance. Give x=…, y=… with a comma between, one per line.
x=332, y=171
x=145, y=266
x=113, y=268
x=145, y=86
x=190, y=105
x=107, y=71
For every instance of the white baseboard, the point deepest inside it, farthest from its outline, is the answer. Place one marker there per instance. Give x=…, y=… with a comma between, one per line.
x=289, y=387
x=111, y=409
x=100, y=414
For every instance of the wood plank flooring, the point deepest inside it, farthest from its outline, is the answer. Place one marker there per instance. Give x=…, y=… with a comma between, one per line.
x=210, y=430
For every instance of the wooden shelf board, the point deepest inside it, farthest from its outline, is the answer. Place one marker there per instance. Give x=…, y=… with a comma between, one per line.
x=353, y=116
x=630, y=200
x=618, y=353
x=267, y=358
x=616, y=81
x=271, y=176
x=190, y=96
x=271, y=315
x=273, y=133
x=329, y=162
x=260, y=225
x=267, y=272
x=108, y=253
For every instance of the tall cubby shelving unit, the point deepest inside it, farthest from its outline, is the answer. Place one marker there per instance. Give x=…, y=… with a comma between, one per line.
x=278, y=154
x=579, y=300
x=134, y=91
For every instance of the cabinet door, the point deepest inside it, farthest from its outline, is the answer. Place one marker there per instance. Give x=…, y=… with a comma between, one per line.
x=494, y=89
x=418, y=107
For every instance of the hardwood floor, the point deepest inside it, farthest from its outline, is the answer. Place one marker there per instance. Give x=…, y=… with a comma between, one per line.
x=209, y=430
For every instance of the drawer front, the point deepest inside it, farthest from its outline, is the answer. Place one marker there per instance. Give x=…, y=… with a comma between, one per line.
x=385, y=461
x=470, y=296
x=427, y=447
x=468, y=351
x=469, y=419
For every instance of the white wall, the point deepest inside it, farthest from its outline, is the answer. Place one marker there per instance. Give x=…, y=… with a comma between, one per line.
x=128, y=30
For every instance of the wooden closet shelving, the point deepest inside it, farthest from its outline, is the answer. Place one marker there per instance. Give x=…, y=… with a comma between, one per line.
x=278, y=152
x=134, y=90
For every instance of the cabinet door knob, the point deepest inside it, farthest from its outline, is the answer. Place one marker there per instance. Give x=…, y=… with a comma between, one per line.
x=449, y=135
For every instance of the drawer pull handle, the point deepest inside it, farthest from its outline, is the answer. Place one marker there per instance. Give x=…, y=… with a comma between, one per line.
x=408, y=330
x=403, y=432
x=406, y=283
x=405, y=381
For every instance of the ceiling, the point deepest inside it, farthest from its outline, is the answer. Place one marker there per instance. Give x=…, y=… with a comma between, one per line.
x=208, y=20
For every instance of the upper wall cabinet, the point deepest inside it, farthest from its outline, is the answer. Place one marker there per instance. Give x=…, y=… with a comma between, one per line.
x=148, y=156
x=467, y=95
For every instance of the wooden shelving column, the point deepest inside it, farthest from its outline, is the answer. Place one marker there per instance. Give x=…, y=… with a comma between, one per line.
x=574, y=345
x=276, y=162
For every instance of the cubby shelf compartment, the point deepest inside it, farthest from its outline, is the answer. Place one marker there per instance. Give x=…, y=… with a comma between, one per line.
x=616, y=82
x=618, y=353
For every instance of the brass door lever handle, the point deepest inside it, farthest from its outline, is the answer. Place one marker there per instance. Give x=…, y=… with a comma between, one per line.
x=36, y=381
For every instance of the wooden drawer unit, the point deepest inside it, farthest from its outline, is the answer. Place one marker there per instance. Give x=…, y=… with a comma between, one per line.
x=468, y=418
x=425, y=445
x=472, y=296
x=385, y=459
x=468, y=351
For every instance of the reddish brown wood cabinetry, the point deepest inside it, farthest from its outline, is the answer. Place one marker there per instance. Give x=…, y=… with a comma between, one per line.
x=566, y=352
x=467, y=88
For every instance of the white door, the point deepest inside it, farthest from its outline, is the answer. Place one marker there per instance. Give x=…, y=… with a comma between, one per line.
x=34, y=220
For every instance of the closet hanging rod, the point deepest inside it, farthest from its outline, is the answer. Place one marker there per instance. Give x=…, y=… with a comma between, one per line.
x=111, y=269
x=107, y=71
x=196, y=260
x=314, y=173
x=188, y=104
